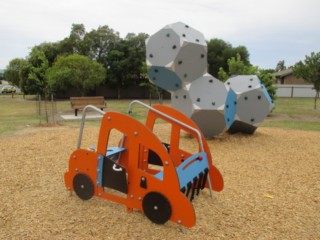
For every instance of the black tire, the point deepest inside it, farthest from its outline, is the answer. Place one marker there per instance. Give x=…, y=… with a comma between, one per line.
x=156, y=207
x=83, y=186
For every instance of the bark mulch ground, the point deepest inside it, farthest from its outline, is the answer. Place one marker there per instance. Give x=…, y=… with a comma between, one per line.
x=272, y=190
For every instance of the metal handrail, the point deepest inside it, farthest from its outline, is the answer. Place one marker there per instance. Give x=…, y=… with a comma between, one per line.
x=84, y=112
x=170, y=118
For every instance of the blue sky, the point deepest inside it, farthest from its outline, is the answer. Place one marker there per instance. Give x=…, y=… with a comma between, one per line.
x=271, y=30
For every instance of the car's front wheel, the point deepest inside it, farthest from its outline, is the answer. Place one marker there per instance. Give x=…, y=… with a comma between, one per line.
x=83, y=186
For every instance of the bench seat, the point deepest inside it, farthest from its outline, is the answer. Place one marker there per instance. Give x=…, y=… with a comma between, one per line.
x=78, y=103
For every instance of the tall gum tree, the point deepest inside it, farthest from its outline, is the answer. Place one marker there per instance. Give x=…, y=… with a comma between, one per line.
x=309, y=70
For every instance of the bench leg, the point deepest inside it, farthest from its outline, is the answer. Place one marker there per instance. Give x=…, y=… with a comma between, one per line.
x=76, y=112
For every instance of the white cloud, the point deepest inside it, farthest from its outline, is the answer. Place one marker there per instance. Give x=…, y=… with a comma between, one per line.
x=271, y=30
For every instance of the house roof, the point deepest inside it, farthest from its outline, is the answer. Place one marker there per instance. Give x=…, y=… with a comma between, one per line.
x=283, y=73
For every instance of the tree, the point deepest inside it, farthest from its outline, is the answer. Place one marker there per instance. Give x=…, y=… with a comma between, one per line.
x=280, y=66
x=36, y=82
x=267, y=79
x=220, y=51
x=125, y=61
x=237, y=67
x=136, y=55
x=98, y=43
x=309, y=70
x=50, y=50
x=76, y=37
x=74, y=43
x=75, y=71
x=13, y=72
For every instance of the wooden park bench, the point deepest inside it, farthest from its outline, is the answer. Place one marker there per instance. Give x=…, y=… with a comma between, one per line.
x=78, y=103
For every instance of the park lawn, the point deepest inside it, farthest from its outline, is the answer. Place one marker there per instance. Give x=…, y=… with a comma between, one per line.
x=17, y=113
x=294, y=113
x=296, y=106
x=293, y=124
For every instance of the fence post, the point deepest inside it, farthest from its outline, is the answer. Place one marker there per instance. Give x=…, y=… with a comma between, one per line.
x=292, y=92
x=39, y=105
x=52, y=110
x=46, y=109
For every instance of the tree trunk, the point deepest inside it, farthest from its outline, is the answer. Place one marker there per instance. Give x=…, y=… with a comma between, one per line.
x=119, y=85
x=119, y=92
x=315, y=100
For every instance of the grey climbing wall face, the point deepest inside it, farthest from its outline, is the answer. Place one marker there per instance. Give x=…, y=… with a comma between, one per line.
x=181, y=100
x=243, y=83
x=171, y=56
x=207, y=92
x=247, y=104
x=203, y=101
x=208, y=97
x=176, y=58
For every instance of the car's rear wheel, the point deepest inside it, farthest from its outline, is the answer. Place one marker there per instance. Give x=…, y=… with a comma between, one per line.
x=156, y=207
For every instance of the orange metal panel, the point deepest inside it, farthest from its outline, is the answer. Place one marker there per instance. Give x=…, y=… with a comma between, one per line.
x=175, y=152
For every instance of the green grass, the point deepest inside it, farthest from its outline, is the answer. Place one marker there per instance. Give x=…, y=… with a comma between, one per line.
x=298, y=125
x=296, y=106
x=138, y=112
x=294, y=113
x=17, y=113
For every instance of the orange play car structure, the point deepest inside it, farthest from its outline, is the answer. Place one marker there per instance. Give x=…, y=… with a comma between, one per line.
x=156, y=178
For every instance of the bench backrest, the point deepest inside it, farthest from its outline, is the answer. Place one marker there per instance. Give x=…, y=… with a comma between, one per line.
x=83, y=101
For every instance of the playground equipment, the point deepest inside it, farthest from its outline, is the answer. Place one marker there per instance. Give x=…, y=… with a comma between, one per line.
x=168, y=56
x=177, y=62
x=247, y=105
x=141, y=172
x=203, y=102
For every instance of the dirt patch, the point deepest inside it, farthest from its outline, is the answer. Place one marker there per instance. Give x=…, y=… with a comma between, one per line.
x=272, y=191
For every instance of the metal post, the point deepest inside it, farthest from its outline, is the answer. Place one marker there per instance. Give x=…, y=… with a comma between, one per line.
x=196, y=131
x=84, y=112
x=52, y=111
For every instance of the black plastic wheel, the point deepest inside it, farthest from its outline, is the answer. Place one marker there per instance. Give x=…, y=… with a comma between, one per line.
x=83, y=186
x=156, y=207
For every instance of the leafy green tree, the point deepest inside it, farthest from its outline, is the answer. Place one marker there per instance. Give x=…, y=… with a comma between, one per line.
x=75, y=71
x=50, y=50
x=280, y=66
x=309, y=70
x=36, y=82
x=237, y=67
x=13, y=72
x=77, y=34
x=267, y=79
x=117, y=70
x=136, y=54
x=74, y=43
x=24, y=81
x=220, y=51
x=98, y=43
x=126, y=60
